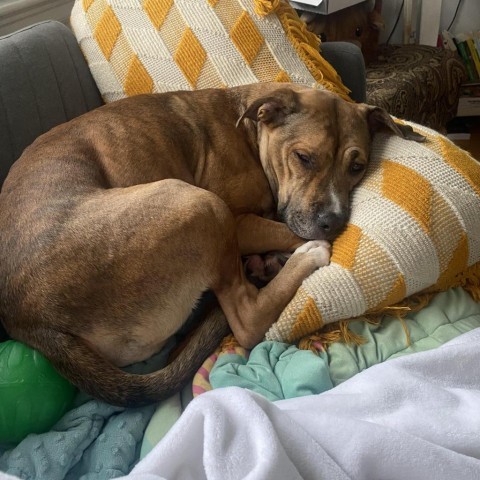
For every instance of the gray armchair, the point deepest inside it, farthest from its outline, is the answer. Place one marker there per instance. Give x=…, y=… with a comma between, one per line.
x=347, y=59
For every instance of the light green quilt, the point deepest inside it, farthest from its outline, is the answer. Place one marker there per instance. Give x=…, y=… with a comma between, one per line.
x=448, y=315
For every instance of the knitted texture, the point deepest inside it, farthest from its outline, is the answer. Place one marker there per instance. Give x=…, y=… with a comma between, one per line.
x=148, y=46
x=414, y=227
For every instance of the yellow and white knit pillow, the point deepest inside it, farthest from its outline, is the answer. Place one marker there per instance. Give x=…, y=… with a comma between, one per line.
x=414, y=227
x=145, y=46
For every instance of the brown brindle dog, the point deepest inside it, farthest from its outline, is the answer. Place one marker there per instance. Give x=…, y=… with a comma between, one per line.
x=113, y=224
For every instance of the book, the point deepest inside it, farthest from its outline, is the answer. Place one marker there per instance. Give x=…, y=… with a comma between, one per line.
x=468, y=106
x=474, y=54
x=476, y=39
x=464, y=52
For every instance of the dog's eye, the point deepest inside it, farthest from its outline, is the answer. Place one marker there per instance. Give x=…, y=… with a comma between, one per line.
x=359, y=31
x=304, y=158
x=356, y=163
x=356, y=167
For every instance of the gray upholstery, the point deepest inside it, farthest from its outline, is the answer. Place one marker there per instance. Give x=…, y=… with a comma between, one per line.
x=44, y=81
x=347, y=59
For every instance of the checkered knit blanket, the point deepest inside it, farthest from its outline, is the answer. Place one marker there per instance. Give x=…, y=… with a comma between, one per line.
x=144, y=46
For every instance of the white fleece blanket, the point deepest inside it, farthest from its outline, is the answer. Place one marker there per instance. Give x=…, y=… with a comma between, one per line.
x=415, y=417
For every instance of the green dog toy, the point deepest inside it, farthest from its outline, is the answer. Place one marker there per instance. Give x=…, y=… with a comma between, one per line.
x=33, y=396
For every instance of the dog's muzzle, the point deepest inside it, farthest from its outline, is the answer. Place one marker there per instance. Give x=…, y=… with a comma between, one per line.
x=322, y=225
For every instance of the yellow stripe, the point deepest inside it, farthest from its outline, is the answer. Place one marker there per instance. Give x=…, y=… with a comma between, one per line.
x=308, y=320
x=107, y=31
x=190, y=57
x=374, y=270
x=282, y=77
x=461, y=162
x=409, y=190
x=457, y=264
x=444, y=220
x=157, y=10
x=346, y=245
x=86, y=4
x=138, y=80
x=246, y=37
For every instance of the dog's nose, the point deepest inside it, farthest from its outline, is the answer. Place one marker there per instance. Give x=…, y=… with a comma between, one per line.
x=330, y=223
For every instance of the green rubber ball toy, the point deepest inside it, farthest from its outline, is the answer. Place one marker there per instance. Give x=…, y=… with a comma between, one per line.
x=33, y=396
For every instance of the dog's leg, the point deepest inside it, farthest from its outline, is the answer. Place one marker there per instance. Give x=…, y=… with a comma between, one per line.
x=147, y=254
x=187, y=243
x=251, y=312
x=262, y=269
x=260, y=235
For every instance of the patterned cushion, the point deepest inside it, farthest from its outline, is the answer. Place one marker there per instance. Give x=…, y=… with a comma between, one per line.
x=418, y=83
x=415, y=226
x=144, y=46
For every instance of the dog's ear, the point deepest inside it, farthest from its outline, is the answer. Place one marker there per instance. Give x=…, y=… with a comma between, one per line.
x=378, y=119
x=273, y=109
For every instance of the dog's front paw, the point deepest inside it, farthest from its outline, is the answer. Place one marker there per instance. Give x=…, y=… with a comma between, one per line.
x=261, y=269
x=318, y=250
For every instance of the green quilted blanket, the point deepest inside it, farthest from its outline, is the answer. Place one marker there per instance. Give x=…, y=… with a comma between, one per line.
x=278, y=370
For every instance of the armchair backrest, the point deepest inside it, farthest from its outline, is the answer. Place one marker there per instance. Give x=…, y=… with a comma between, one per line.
x=44, y=81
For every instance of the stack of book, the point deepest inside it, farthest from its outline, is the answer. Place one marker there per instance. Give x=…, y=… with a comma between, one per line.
x=468, y=47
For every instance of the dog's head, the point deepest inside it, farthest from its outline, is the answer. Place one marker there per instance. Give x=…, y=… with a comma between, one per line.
x=314, y=148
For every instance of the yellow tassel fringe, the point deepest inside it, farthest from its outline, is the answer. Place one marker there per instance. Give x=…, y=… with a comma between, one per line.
x=228, y=343
x=265, y=7
x=306, y=44
x=469, y=280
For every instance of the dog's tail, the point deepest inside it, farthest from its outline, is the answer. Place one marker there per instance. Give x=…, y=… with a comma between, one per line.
x=93, y=374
